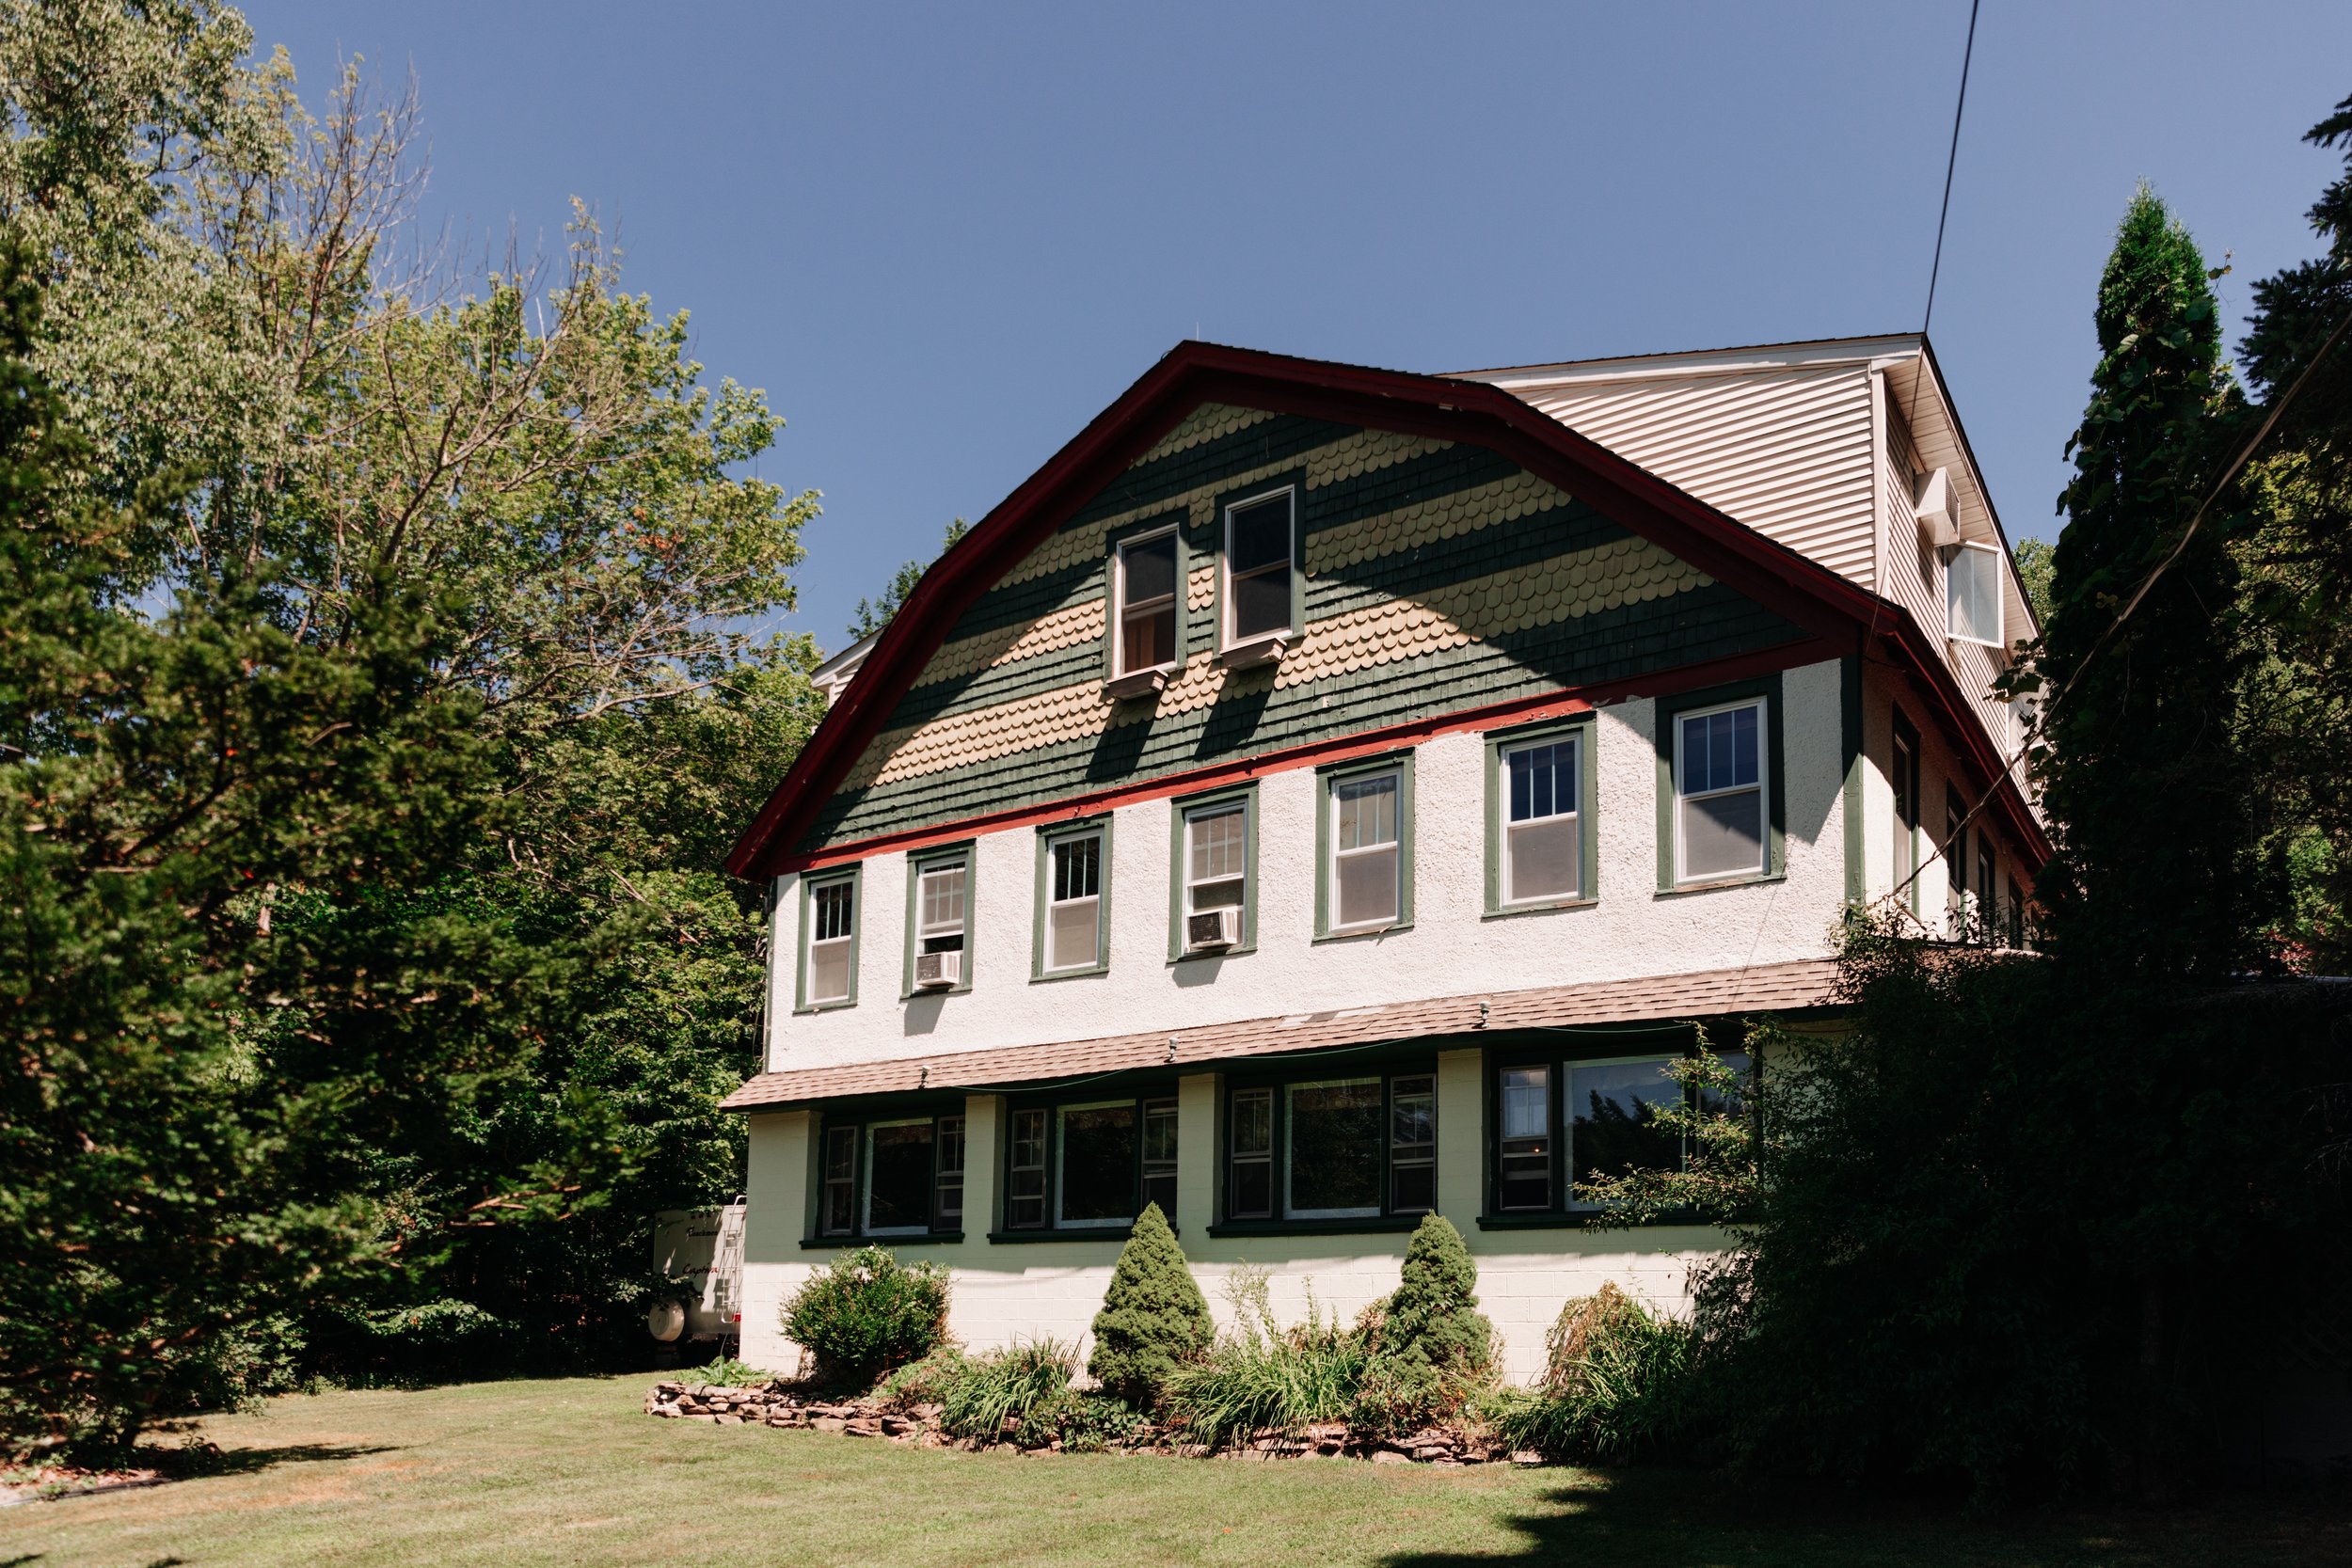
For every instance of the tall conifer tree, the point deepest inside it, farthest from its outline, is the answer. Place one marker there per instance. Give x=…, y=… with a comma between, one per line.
x=2140, y=775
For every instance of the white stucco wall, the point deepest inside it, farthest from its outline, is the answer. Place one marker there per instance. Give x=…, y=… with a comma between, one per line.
x=1882, y=696
x=1631, y=930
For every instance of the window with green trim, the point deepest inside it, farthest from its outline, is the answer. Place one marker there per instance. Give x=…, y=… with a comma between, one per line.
x=1543, y=833
x=1145, y=592
x=938, y=920
x=1366, y=835
x=1091, y=1163
x=1213, y=874
x=1560, y=1120
x=1721, y=809
x=829, y=941
x=1071, y=929
x=890, y=1176
x=1334, y=1147
x=1260, y=542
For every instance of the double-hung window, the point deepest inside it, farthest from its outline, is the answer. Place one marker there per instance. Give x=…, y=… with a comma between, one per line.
x=1561, y=1121
x=1972, y=589
x=1366, y=883
x=1145, y=587
x=1260, y=542
x=939, y=908
x=1540, y=857
x=1720, y=810
x=1955, y=865
x=1988, y=911
x=1904, y=776
x=1089, y=1164
x=1213, y=871
x=1070, y=924
x=1340, y=1148
x=890, y=1176
x=829, y=955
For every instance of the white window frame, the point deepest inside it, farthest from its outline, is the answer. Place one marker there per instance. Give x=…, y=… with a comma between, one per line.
x=1062, y=1154
x=1507, y=897
x=1290, y=1148
x=1119, y=606
x=811, y=943
x=1226, y=635
x=866, y=1188
x=1193, y=814
x=1951, y=579
x=1763, y=787
x=1393, y=846
x=1093, y=959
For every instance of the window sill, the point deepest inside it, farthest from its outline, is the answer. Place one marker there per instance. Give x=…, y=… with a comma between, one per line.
x=1137, y=683
x=1505, y=912
x=928, y=1238
x=1581, y=1221
x=1257, y=651
x=808, y=1007
x=918, y=994
x=1089, y=972
x=1359, y=933
x=1679, y=889
x=1200, y=955
x=1367, y=1224
x=1115, y=1234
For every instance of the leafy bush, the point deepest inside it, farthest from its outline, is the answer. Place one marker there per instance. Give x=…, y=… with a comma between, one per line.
x=1028, y=1384
x=726, y=1371
x=1266, y=1376
x=1153, y=1317
x=1618, y=1385
x=869, y=1313
x=924, y=1382
x=1096, y=1421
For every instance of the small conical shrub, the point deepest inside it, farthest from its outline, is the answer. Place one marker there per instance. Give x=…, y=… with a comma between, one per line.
x=1433, y=1320
x=1153, y=1319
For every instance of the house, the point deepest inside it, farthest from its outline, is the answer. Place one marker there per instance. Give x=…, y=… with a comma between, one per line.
x=1323, y=795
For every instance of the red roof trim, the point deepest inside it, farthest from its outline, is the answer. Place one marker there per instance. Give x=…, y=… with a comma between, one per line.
x=1545, y=705
x=1808, y=594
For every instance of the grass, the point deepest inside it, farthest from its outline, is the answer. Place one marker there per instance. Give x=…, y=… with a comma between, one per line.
x=570, y=1472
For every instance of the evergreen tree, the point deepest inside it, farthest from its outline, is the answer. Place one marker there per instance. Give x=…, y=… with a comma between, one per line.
x=2141, y=776
x=1153, y=1319
x=1433, y=1320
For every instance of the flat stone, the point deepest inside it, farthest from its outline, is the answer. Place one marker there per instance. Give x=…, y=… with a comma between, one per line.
x=828, y=1424
x=1389, y=1456
x=1526, y=1456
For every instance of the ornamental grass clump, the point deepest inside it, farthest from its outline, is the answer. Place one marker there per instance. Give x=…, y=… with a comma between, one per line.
x=1262, y=1376
x=1153, y=1321
x=867, y=1314
x=1428, y=1348
x=1618, y=1385
x=1027, y=1385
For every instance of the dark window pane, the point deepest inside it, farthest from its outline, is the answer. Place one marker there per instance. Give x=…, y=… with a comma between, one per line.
x=1098, y=1163
x=1523, y=1147
x=1711, y=1103
x=1151, y=569
x=948, y=1212
x=1334, y=1148
x=1416, y=1189
x=1261, y=534
x=1262, y=604
x=840, y=1213
x=1613, y=1112
x=1160, y=1188
x=1252, y=1196
x=1025, y=1193
x=899, y=1177
x=1148, y=637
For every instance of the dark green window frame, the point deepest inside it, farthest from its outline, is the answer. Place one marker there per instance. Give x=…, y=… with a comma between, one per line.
x=849, y=1179
x=1171, y=523
x=967, y=851
x=1328, y=778
x=1098, y=828
x=1296, y=483
x=1560, y=1209
x=854, y=877
x=1668, y=713
x=1586, y=734
x=1020, y=1184
x=1182, y=809
x=1398, y=1210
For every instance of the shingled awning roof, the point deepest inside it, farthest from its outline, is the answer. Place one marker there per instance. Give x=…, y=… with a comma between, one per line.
x=1764, y=987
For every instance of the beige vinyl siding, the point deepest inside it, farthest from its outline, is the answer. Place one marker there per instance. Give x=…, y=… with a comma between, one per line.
x=1785, y=451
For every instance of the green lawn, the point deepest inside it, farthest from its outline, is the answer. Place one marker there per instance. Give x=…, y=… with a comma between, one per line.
x=569, y=1472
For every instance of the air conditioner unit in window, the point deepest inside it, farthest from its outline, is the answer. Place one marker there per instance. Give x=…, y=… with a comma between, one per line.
x=1210, y=930
x=1939, y=518
x=938, y=971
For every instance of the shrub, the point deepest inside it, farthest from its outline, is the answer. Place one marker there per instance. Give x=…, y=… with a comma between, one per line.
x=924, y=1382
x=1094, y=1422
x=726, y=1371
x=1153, y=1317
x=1028, y=1384
x=1264, y=1376
x=1618, y=1385
x=866, y=1314
x=1430, y=1348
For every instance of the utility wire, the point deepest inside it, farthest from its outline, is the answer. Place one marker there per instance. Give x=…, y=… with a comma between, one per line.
x=1951, y=161
x=2229, y=474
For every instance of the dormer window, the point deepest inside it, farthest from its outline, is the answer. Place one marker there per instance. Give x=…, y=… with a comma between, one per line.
x=1144, y=587
x=1259, y=545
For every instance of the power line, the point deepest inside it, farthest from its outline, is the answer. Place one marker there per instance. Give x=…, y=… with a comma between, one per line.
x=2230, y=473
x=1951, y=161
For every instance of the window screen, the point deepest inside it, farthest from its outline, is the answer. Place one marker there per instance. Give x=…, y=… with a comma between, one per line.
x=1719, y=809
x=1364, y=834
x=1074, y=907
x=1541, y=842
x=830, y=928
x=1216, y=854
x=1973, y=593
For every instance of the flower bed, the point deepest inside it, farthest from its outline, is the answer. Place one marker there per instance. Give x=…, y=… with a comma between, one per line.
x=785, y=1404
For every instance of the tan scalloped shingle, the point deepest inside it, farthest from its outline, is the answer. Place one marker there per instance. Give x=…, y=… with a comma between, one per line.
x=1205, y=423
x=1051, y=633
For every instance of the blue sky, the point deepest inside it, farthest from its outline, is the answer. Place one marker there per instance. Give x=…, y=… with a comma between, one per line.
x=941, y=237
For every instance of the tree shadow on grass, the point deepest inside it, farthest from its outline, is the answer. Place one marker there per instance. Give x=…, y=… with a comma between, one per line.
x=1685, y=1519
